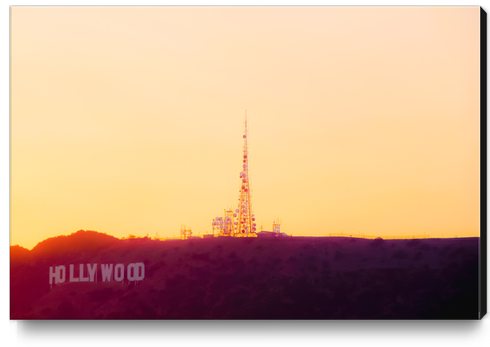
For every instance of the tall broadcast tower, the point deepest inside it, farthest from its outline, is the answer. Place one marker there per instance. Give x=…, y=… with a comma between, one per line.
x=246, y=220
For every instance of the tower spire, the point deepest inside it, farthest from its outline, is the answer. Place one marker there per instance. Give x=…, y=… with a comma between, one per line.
x=246, y=220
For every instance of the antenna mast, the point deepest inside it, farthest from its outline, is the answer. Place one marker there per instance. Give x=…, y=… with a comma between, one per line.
x=246, y=220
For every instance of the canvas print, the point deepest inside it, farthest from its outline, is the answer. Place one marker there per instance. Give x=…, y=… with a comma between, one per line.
x=247, y=162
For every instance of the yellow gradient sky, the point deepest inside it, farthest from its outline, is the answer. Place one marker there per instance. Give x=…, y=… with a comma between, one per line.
x=129, y=120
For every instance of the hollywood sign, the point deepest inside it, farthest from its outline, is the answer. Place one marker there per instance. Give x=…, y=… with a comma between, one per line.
x=108, y=272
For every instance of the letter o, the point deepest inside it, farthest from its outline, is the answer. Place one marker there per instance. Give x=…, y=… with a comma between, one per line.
x=61, y=270
x=132, y=277
x=119, y=272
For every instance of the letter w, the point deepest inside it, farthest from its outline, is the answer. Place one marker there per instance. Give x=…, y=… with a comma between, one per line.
x=106, y=272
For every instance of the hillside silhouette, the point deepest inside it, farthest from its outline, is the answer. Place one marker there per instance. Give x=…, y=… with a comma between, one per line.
x=75, y=243
x=252, y=278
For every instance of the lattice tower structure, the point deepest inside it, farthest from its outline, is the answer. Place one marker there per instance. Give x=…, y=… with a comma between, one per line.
x=276, y=226
x=185, y=232
x=245, y=225
x=224, y=225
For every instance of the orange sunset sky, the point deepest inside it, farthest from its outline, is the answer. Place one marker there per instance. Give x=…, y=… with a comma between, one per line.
x=129, y=120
